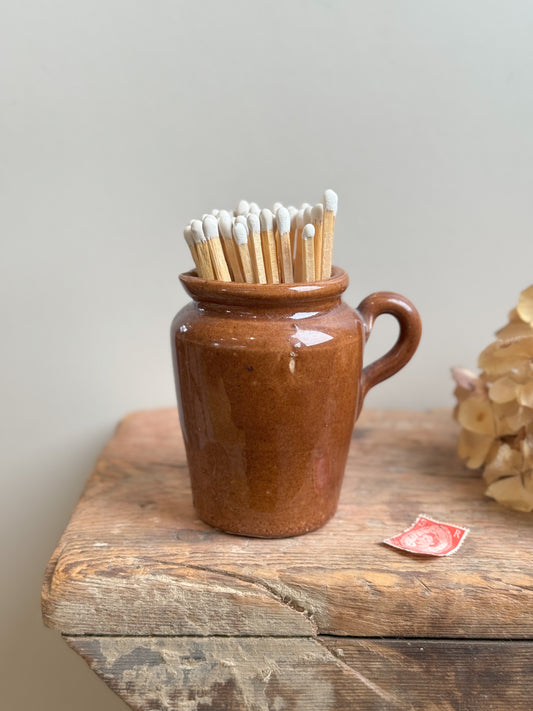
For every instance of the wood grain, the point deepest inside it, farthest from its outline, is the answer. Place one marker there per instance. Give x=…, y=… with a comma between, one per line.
x=135, y=560
x=322, y=674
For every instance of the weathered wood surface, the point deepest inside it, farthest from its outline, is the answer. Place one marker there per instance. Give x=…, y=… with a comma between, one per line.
x=312, y=674
x=135, y=560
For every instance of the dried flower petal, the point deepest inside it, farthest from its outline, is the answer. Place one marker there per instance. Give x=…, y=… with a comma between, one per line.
x=505, y=462
x=503, y=390
x=523, y=372
x=514, y=330
x=503, y=356
x=526, y=447
x=511, y=492
x=525, y=305
x=474, y=448
x=504, y=409
x=467, y=380
x=475, y=414
x=513, y=316
x=506, y=427
x=525, y=394
x=523, y=417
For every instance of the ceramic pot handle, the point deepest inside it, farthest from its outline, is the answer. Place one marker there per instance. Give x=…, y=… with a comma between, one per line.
x=387, y=302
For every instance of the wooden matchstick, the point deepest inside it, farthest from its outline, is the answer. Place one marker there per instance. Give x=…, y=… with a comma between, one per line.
x=330, y=211
x=210, y=227
x=292, y=214
x=256, y=252
x=187, y=233
x=268, y=243
x=206, y=270
x=283, y=222
x=275, y=208
x=308, y=253
x=298, y=258
x=241, y=239
x=317, y=216
x=225, y=227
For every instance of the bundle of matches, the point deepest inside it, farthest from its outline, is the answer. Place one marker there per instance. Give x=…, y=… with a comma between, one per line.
x=254, y=246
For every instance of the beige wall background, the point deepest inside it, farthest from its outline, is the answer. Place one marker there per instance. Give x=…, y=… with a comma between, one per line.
x=121, y=120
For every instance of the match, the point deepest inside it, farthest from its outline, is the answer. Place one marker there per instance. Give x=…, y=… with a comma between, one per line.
x=262, y=246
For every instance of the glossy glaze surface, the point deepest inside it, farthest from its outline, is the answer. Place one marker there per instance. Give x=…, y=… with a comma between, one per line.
x=269, y=382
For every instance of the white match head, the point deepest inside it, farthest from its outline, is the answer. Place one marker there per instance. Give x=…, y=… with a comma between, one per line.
x=307, y=215
x=239, y=232
x=215, y=212
x=276, y=206
x=305, y=205
x=253, y=223
x=331, y=201
x=317, y=213
x=293, y=211
x=309, y=232
x=299, y=219
x=283, y=220
x=197, y=231
x=241, y=219
x=266, y=220
x=254, y=208
x=210, y=225
x=225, y=224
x=243, y=208
x=187, y=233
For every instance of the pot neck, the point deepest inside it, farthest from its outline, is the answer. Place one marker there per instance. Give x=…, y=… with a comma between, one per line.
x=293, y=297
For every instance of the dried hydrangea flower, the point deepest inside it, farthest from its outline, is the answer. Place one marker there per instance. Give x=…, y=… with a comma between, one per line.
x=495, y=410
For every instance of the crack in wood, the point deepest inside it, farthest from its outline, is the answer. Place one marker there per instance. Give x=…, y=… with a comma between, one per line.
x=276, y=594
x=426, y=587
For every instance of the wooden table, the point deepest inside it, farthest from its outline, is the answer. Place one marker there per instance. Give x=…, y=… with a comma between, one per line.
x=175, y=615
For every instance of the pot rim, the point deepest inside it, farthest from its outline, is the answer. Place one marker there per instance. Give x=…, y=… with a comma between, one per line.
x=224, y=292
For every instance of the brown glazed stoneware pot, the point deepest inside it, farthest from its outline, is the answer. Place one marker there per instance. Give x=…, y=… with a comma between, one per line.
x=269, y=380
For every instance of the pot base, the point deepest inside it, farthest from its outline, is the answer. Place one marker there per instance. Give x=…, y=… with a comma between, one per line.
x=267, y=530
